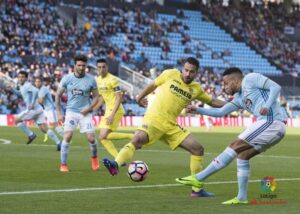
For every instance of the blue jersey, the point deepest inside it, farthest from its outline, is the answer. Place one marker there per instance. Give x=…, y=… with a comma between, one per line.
x=254, y=95
x=48, y=104
x=29, y=94
x=78, y=91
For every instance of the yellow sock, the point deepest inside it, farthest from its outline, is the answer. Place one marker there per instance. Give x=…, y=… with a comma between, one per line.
x=119, y=136
x=110, y=148
x=125, y=154
x=196, y=165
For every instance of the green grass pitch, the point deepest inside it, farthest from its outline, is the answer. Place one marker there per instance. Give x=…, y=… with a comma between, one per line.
x=30, y=181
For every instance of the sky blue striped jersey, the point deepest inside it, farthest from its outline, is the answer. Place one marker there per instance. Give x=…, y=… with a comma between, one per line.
x=78, y=91
x=29, y=94
x=48, y=104
x=253, y=96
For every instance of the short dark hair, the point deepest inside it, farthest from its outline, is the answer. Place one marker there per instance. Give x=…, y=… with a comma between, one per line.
x=23, y=73
x=81, y=57
x=101, y=60
x=232, y=70
x=193, y=61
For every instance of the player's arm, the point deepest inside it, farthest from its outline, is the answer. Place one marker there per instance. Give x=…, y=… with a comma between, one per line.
x=119, y=96
x=274, y=89
x=99, y=104
x=146, y=91
x=216, y=103
x=218, y=112
x=95, y=95
x=34, y=98
x=58, y=96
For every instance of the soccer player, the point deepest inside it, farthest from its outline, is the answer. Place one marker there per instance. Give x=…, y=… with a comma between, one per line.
x=78, y=86
x=111, y=94
x=258, y=95
x=175, y=91
x=33, y=111
x=46, y=100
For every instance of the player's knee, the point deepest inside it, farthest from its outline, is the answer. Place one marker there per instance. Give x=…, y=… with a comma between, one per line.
x=137, y=142
x=199, y=150
x=91, y=139
x=17, y=120
x=103, y=136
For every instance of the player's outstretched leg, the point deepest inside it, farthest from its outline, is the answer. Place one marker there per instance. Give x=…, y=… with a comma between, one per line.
x=111, y=165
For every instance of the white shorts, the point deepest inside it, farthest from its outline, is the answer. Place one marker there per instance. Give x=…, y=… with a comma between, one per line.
x=36, y=115
x=51, y=116
x=263, y=134
x=73, y=119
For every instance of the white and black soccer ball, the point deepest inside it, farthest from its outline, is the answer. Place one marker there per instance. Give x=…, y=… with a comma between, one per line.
x=138, y=171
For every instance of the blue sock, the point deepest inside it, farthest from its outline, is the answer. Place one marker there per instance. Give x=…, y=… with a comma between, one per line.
x=64, y=152
x=94, y=148
x=25, y=129
x=60, y=131
x=243, y=173
x=218, y=163
x=53, y=136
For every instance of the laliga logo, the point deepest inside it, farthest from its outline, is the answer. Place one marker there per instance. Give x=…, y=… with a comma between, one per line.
x=268, y=184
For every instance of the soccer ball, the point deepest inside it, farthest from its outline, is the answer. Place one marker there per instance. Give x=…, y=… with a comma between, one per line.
x=138, y=171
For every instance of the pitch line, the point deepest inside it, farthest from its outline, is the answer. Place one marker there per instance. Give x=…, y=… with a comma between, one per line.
x=130, y=187
x=163, y=151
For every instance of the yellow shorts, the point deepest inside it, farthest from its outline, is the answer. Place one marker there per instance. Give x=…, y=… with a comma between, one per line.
x=115, y=123
x=160, y=129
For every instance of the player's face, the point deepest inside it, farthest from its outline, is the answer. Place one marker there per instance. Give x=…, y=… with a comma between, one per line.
x=102, y=68
x=80, y=67
x=21, y=79
x=38, y=83
x=230, y=84
x=189, y=73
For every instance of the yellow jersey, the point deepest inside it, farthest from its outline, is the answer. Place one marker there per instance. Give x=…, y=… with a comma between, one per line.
x=174, y=95
x=108, y=86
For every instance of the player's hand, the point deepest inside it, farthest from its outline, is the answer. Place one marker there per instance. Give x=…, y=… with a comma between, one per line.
x=109, y=120
x=85, y=111
x=190, y=109
x=264, y=111
x=31, y=107
x=142, y=102
x=60, y=117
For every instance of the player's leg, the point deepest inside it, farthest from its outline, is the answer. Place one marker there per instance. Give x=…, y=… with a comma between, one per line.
x=108, y=144
x=87, y=127
x=70, y=124
x=41, y=122
x=127, y=152
x=44, y=128
x=190, y=144
x=65, y=149
x=107, y=134
x=259, y=136
x=19, y=121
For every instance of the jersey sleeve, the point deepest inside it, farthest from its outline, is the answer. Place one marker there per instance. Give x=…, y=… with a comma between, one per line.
x=203, y=97
x=163, y=77
x=94, y=84
x=42, y=92
x=63, y=83
x=115, y=85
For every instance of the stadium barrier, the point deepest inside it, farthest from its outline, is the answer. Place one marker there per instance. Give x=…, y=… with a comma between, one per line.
x=129, y=121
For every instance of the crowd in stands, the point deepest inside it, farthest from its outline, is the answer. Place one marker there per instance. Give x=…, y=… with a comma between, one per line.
x=262, y=27
x=30, y=29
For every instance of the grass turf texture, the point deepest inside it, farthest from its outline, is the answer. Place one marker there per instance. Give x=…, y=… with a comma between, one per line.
x=33, y=168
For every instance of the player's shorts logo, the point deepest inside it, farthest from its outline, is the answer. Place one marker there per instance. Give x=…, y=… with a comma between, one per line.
x=72, y=122
x=268, y=184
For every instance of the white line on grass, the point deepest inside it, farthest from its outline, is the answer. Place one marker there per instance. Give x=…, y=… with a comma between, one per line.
x=130, y=187
x=165, y=151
